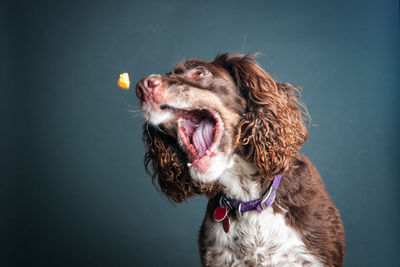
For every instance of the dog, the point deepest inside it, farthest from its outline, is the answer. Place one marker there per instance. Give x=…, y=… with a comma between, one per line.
x=227, y=130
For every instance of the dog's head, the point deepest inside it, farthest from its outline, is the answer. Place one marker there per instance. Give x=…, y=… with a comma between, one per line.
x=203, y=113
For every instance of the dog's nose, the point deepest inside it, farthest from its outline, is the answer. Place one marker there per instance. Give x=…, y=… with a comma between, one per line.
x=151, y=83
x=148, y=86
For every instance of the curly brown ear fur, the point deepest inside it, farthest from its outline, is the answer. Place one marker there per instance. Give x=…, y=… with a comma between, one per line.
x=273, y=129
x=169, y=162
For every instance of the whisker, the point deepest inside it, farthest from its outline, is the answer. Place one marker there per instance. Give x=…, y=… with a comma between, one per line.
x=133, y=110
x=129, y=105
x=135, y=116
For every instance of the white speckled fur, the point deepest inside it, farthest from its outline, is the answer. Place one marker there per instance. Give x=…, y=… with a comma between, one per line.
x=255, y=239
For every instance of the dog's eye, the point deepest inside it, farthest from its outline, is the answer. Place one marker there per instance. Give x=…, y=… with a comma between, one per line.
x=199, y=73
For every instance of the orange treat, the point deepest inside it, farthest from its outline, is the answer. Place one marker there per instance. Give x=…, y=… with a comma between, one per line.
x=123, y=81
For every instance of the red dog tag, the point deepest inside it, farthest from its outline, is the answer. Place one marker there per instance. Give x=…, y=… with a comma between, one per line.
x=225, y=224
x=220, y=213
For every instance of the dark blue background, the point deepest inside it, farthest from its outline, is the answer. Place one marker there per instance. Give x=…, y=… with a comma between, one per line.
x=75, y=190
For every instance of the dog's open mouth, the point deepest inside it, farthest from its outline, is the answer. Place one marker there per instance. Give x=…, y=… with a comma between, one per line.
x=200, y=133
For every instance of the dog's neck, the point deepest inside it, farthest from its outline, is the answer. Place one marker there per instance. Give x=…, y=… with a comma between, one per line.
x=241, y=181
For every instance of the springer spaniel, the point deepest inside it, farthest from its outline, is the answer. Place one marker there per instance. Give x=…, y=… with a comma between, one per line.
x=227, y=130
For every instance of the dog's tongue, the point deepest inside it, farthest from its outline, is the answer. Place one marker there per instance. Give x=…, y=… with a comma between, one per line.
x=203, y=136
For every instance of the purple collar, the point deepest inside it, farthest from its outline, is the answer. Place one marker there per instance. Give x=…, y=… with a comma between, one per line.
x=257, y=204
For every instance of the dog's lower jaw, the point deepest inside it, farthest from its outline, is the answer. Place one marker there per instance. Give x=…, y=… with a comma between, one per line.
x=217, y=166
x=238, y=177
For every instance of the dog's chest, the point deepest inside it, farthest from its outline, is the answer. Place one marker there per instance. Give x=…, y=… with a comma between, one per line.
x=256, y=240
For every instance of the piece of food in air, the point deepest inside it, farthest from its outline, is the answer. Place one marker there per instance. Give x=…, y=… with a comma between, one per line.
x=123, y=81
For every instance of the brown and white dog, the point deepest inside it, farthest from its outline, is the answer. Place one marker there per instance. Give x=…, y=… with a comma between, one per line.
x=226, y=129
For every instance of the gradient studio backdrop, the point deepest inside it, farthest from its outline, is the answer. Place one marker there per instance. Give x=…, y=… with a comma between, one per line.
x=75, y=190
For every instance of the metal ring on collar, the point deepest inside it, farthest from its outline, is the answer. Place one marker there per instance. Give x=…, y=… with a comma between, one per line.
x=239, y=211
x=220, y=201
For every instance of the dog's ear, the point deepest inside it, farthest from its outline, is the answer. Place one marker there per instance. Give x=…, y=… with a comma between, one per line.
x=273, y=129
x=169, y=167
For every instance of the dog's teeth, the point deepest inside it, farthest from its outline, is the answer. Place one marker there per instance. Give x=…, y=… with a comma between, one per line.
x=189, y=165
